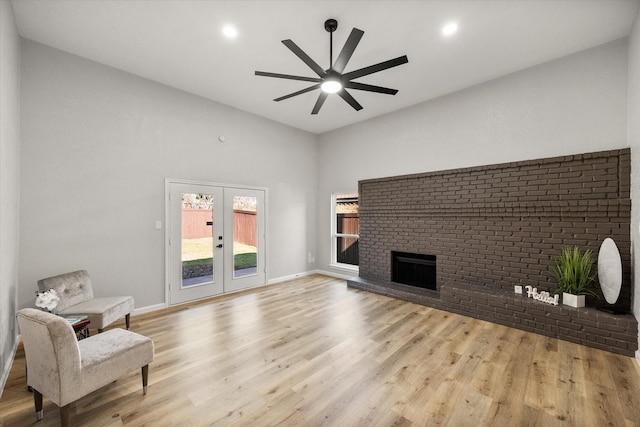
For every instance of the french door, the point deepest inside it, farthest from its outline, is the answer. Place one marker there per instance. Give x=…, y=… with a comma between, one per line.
x=215, y=240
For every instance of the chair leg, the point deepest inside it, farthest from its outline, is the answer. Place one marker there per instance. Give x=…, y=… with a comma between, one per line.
x=65, y=415
x=127, y=319
x=37, y=401
x=145, y=378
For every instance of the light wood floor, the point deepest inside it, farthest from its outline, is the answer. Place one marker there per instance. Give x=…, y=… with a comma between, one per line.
x=312, y=352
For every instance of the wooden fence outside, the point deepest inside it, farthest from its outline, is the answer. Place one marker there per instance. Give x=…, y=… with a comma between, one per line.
x=347, y=247
x=197, y=223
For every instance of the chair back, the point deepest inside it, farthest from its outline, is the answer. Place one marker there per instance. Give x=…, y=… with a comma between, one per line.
x=52, y=353
x=72, y=288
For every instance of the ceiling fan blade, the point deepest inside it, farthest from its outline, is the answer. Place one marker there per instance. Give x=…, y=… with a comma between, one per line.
x=300, y=92
x=377, y=67
x=305, y=58
x=287, y=76
x=321, y=98
x=350, y=99
x=347, y=50
x=370, y=88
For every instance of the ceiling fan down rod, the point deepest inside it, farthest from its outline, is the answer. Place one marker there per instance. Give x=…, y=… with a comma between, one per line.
x=330, y=25
x=331, y=51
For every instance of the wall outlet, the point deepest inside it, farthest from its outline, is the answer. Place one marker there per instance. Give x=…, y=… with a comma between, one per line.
x=310, y=258
x=518, y=289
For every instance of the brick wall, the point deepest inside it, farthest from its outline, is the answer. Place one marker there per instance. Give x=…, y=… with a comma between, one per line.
x=493, y=227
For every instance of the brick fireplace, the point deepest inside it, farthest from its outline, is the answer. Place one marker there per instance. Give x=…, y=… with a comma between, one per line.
x=493, y=227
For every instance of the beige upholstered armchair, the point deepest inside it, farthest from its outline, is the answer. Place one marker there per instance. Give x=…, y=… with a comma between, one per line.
x=64, y=369
x=76, y=297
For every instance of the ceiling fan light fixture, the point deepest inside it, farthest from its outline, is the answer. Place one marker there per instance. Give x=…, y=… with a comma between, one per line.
x=331, y=86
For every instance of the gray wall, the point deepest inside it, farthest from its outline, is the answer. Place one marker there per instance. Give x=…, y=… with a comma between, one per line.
x=9, y=184
x=634, y=142
x=97, y=144
x=575, y=104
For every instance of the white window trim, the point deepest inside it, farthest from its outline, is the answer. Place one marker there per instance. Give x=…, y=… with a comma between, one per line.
x=334, y=238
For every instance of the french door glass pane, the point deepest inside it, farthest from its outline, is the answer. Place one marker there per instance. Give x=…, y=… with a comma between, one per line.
x=245, y=227
x=197, y=239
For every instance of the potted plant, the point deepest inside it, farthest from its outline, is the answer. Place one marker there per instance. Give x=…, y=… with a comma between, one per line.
x=575, y=274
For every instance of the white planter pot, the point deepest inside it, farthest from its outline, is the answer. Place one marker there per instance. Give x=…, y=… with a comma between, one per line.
x=576, y=301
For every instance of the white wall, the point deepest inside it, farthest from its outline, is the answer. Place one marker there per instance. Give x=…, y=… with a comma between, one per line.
x=634, y=142
x=9, y=184
x=575, y=104
x=97, y=146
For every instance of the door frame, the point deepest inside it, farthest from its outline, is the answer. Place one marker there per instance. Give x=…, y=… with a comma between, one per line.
x=167, y=229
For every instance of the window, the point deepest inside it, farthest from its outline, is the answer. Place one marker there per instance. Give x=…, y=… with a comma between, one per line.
x=345, y=230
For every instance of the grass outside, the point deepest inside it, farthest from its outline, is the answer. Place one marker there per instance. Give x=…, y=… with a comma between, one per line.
x=197, y=252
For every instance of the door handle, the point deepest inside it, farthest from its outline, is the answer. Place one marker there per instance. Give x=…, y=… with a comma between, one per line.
x=219, y=246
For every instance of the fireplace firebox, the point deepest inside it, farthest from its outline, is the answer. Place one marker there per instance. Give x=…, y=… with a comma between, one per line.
x=414, y=269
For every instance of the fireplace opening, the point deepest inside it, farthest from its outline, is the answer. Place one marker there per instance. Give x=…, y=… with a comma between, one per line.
x=414, y=269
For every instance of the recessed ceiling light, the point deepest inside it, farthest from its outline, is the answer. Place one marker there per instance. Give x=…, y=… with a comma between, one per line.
x=450, y=28
x=229, y=32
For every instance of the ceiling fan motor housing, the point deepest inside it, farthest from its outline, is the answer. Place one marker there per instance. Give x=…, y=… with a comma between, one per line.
x=331, y=25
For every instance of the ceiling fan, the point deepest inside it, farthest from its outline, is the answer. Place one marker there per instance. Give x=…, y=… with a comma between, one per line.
x=335, y=80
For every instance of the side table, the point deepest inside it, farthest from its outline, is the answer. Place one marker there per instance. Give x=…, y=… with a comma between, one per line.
x=80, y=324
x=81, y=329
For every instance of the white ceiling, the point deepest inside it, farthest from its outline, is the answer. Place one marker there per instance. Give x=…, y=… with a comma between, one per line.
x=179, y=43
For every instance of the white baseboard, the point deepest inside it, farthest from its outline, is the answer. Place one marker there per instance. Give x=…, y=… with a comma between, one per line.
x=336, y=274
x=638, y=356
x=8, y=365
x=289, y=277
x=149, y=308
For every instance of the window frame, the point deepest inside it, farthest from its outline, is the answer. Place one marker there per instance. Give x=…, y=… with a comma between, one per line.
x=335, y=235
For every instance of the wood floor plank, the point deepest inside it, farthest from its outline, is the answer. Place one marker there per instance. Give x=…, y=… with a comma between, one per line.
x=595, y=367
x=508, y=408
x=471, y=407
x=312, y=352
x=627, y=390
x=543, y=376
